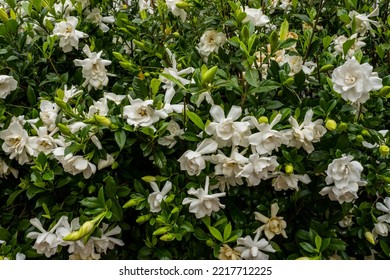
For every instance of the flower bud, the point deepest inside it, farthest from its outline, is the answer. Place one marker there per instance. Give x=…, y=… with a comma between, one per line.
x=183, y=5
x=209, y=75
x=384, y=150
x=263, y=119
x=149, y=179
x=359, y=138
x=102, y=120
x=64, y=129
x=369, y=237
x=143, y=218
x=132, y=202
x=168, y=237
x=288, y=82
x=343, y=126
x=289, y=169
x=161, y=231
x=365, y=133
x=331, y=125
x=210, y=242
x=115, y=165
x=139, y=44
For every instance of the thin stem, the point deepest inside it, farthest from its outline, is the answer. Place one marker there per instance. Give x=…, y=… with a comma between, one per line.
x=314, y=30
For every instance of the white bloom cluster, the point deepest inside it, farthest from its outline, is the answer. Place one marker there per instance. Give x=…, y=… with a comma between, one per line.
x=210, y=42
x=382, y=227
x=345, y=175
x=68, y=35
x=48, y=242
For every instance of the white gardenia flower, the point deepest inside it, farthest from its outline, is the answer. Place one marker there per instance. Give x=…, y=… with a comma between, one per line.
x=362, y=22
x=106, y=241
x=345, y=175
x=169, y=85
x=94, y=70
x=16, y=142
x=86, y=251
x=253, y=249
x=384, y=208
x=256, y=16
x=46, y=241
x=68, y=35
x=295, y=62
x=273, y=225
x=146, y=5
x=381, y=229
x=205, y=203
x=305, y=134
x=176, y=11
x=140, y=113
x=354, y=81
x=357, y=45
x=43, y=142
x=175, y=131
x=156, y=197
x=48, y=114
x=95, y=17
x=74, y=164
x=229, y=167
x=285, y=181
x=346, y=221
x=7, y=84
x=99, y=107
x=64, y=229
x=225, y=130
x=267, y=139
x=193, y=161
x=70, y=93
x=210, y=42
x=258, y=168
x=117, y=99
x=5, y=170
x=103, y=163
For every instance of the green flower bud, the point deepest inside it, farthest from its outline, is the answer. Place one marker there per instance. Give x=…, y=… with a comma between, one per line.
x=359, y=138
x=343, y=126
x=115, y=165
x=384, y=150
x=168, y=237
x=208, y=76
x=175, y=210
x=365, y=133
x=132, y=202
x=288, y=82
x=139, y=44
x=263, y=119
x=331, y=125
x=161, y=231
x=210, y=242
x=326, y=68
x=149, y=179
x=102, y=120
x=183, y=5
x=143, y=218
x=64, y=129
x=369, y=237
x=289, y=169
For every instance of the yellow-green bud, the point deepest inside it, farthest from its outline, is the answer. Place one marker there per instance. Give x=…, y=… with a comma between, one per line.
x=365, y=133
x=210, y=242
x=115, y=165
x=64, y=129
x=169, y=198
x=73, y=236
x=168, y=237
x=343, y=126
x=369, y=237
x=289, y=169
x=175, y=210
x=102, y=120
x=149, y=179
x=208, y=76
x=132, y=202
x=326, y=68
x=161, y=231
x=183, y=5
x=139, y=44
x=61, y=103
x=384, y=150
x=331, y=125
x=288, y=82
x=263, y=119
x=359, y=138
x=143, y=218
x=176, y=34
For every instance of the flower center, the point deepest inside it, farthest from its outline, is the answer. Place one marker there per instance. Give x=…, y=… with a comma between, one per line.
x=349, y=79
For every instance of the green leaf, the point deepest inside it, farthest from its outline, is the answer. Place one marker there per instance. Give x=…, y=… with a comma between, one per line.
x=347, y=45
x=283, y=30
x=101, y=198
x=214, y=232
x=155, y=85
x=307, y=247
x=227, y=231
x=252, y=77
x=318, y=242
x=160, y=160
x=265, y=86
x=325, y=244
x=120, y=138
x=13, y=196
x=4, y=234
x=195, y=119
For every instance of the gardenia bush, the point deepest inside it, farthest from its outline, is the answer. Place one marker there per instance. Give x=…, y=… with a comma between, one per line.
x=194, y=129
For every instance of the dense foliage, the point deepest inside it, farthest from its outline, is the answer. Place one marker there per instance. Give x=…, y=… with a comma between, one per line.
x=195, y=129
